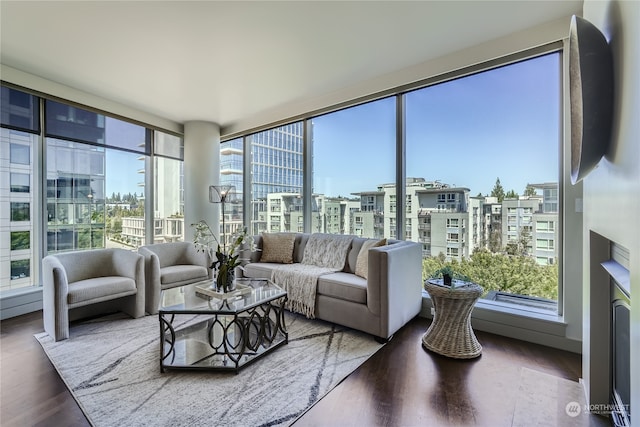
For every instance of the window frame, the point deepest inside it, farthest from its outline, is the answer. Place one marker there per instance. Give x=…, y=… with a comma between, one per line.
x=558, y=46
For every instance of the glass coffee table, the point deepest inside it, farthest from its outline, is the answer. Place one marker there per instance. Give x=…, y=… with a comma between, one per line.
x=200, y=331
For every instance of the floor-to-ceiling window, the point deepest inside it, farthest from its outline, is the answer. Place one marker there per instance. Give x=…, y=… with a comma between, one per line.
x=81, y=175
x=483, y=151
x=90, y=156
x=75, y=196
x=276, y=187
x=168, y=184
x=232, y=174
x=480, y=188
x=354, y=166
x=20, y=118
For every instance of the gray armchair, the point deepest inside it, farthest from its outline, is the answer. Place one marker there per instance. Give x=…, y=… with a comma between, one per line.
x=79, y=284
x=168, y=265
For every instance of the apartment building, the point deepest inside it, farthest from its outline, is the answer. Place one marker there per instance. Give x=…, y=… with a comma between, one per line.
x=545, y=237
x=436, y=215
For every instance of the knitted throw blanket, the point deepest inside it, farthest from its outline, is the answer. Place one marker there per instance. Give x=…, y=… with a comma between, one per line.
x=323, y=254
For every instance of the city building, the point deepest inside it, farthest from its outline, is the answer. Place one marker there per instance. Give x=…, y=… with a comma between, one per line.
x=438, y=216
x=276, y=169
x=17, y=196
x=545, y=233
x=168, y=208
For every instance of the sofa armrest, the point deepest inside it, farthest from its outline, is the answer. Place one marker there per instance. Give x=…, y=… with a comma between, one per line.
x=152, y=265
x=54, y=298
x=152, y=279
x=394, y=285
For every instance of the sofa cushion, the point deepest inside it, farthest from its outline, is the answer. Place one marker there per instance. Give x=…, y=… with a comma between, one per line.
x=299, y=246
x=352, y=257
x=362, y=263
x=180, y=273
x=278, y=247
x=99, y=288
x=345, y=286
x=259, y=270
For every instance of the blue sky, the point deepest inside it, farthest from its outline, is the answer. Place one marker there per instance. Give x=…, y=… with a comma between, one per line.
x=122, y=166
x=466, y=132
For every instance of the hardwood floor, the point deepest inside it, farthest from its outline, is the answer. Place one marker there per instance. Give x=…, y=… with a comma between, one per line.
x=401, y=385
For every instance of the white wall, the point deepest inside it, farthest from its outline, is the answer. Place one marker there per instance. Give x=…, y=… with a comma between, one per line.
x=612, y=191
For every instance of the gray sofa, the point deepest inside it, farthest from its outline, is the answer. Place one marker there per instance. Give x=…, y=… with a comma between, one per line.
x=87, y=283
x=379, y=305
x=168, y=265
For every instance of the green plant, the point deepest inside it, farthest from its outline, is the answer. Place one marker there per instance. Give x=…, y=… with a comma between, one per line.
x=448, y=273
x=225, y=259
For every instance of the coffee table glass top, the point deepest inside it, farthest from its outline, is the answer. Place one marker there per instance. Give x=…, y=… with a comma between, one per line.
x=184, y=299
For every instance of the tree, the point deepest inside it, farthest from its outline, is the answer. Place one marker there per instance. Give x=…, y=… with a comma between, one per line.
x=498, y=191
x=519, y=275
x=117, y=226
x=529, y=191
x=511, y=195
x=495, y=238
x=521, y=246
x=480, y=195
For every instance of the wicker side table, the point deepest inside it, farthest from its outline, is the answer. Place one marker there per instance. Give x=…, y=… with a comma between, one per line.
x=450, y=333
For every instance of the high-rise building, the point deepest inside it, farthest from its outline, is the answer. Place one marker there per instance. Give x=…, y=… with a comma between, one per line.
x=75, y=196
x=18, y=216
x=276, y=169
x=168, y=204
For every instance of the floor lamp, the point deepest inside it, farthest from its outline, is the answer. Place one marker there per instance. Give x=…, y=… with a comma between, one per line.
x=220, y=194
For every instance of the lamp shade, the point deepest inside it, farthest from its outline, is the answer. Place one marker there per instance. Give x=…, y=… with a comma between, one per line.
x=220, y=193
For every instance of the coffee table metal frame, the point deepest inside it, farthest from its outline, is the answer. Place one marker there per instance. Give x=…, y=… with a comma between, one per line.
x=223, y=334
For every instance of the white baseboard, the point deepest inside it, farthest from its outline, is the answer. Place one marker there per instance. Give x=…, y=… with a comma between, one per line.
x=19, y=303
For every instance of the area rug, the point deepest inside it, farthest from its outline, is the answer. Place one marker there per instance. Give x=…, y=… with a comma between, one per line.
x=111, y=366
x=547, y=400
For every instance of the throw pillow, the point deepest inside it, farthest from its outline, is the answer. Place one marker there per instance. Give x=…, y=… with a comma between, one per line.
x=278, y=247
x=362, y=263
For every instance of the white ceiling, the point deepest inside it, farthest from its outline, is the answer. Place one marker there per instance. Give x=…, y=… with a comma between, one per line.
x=226, y=61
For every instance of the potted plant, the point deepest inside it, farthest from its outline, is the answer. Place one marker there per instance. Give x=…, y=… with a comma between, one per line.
x=225, y=257
x=447, y=274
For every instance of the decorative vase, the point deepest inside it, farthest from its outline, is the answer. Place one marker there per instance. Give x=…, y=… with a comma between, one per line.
x=227, y=281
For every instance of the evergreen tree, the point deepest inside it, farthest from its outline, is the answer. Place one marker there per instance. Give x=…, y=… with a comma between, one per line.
x=529, y=191
x=498, y=191
x=511, y=195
